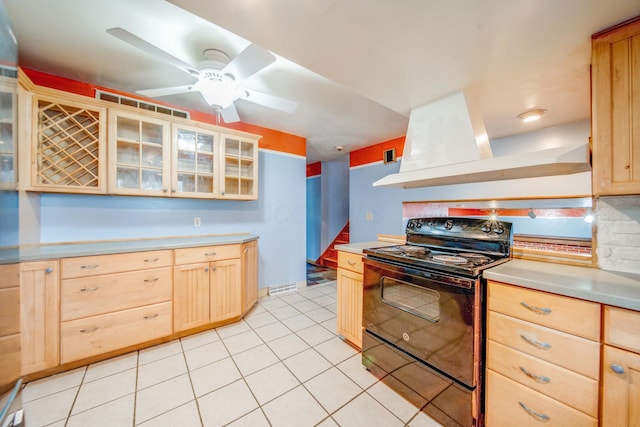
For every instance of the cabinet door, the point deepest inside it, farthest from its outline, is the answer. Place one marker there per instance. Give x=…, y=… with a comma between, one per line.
x=39, y=315
x=10, y=360
x=68, y=145
x=616, y=111
x=620, y=388
x=349, y=306
x=194, y=155
x=250, y=275
x=139, y=152
x=8, y=125
x=226, y=290
x=190, y=296
x=238, y=168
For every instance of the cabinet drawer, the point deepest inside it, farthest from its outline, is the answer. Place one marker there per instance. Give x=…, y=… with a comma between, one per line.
x=116, y=263
x=350, y=261
x=207, y=253
x=512, y=404
x=9, y=311
x=566, y=314
x=621, y=328
x=569, y=351
x=573, y=389
x=10, y=359
x=90, y=296
x=95, y=335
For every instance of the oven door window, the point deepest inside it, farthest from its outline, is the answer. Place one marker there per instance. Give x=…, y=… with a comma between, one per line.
x=416, y=300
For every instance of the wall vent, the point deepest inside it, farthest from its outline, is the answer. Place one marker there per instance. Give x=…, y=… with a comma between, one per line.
x=8, y=71
x=389, y=156
x=283, y=289
x=142, y=105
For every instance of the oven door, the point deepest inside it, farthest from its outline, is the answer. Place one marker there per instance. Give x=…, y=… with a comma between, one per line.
x=431, y=316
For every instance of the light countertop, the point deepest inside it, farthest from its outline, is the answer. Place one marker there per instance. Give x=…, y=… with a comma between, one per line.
x=43, y=252
x=591, y=284
x=358, y=247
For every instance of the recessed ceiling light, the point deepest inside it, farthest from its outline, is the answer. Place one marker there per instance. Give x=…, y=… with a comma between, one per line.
x=531, y=115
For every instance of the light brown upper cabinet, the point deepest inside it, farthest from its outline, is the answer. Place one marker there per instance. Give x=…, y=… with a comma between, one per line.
x=68, y=145
x=195, y=153
x=139, y=154
x=8, y=140
x=615, y=87
x=238, y=168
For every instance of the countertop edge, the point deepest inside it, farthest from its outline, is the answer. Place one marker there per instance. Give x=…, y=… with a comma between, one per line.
x=67, y=250
x=618, y=289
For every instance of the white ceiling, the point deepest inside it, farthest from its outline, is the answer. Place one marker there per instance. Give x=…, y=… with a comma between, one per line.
x=355, y=67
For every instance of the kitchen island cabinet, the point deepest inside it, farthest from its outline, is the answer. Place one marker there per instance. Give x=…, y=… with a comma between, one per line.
x=615, y=115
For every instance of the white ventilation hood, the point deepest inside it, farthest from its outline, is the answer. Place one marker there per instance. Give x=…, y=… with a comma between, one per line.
x=447, y=144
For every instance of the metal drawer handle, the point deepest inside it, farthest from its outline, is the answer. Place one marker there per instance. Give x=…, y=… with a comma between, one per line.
x=151, y=260
x=90, y=266
x=88, y=331
x=535, y=343
x=153, y=316
x=152, y=280
x=617, y=368
x=210, y=254
x=95, y=288
x=49, y=270
x=537, y=310
x=538, y=378
x=538, y=416
x=351, y=262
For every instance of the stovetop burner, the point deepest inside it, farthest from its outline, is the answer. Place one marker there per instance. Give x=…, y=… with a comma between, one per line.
x=456, y=245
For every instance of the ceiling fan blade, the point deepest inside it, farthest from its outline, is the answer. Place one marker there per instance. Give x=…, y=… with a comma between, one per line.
x=270, y=101
x=152, y=50
x=248, y=62
x=230, y=114
x=164, y=91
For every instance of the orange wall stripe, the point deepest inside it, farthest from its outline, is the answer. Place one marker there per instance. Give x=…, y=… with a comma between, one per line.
x=374, y=153
x=314, y=169
x=271, y=139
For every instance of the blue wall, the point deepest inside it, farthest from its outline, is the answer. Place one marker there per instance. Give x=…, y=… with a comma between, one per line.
x=335, y=199
x=314, y=217
x=277, y=217
x=383, y=205
x=9, y=219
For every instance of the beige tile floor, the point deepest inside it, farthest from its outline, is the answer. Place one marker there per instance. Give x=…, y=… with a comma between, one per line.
x=283, y=365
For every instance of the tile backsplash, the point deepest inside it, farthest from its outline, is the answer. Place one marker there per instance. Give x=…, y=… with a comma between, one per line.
x=618, y=233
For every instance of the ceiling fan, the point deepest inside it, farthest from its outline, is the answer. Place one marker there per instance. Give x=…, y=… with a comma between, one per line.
x=220, y=79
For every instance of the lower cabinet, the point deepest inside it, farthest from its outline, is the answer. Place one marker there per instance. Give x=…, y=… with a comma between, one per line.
x=621, y=368
x=109, y=302
x=249, y=275
x=542, y=359
x=59, y=312
x=39, y=315
x=10, y=357
x=349, y=297
x=207, y=292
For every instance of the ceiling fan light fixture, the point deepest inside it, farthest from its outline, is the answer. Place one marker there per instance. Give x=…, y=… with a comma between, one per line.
x=531, y=115
x=220, y=93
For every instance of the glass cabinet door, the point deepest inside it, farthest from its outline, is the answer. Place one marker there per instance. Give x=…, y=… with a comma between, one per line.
x=240, y=168
x=8, y=125
x=140, y=155
x=193, y=162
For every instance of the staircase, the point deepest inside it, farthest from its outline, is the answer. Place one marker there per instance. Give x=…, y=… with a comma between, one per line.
x=330, y=256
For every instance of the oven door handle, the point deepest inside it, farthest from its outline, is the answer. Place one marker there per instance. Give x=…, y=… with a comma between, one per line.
x=536, y=343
